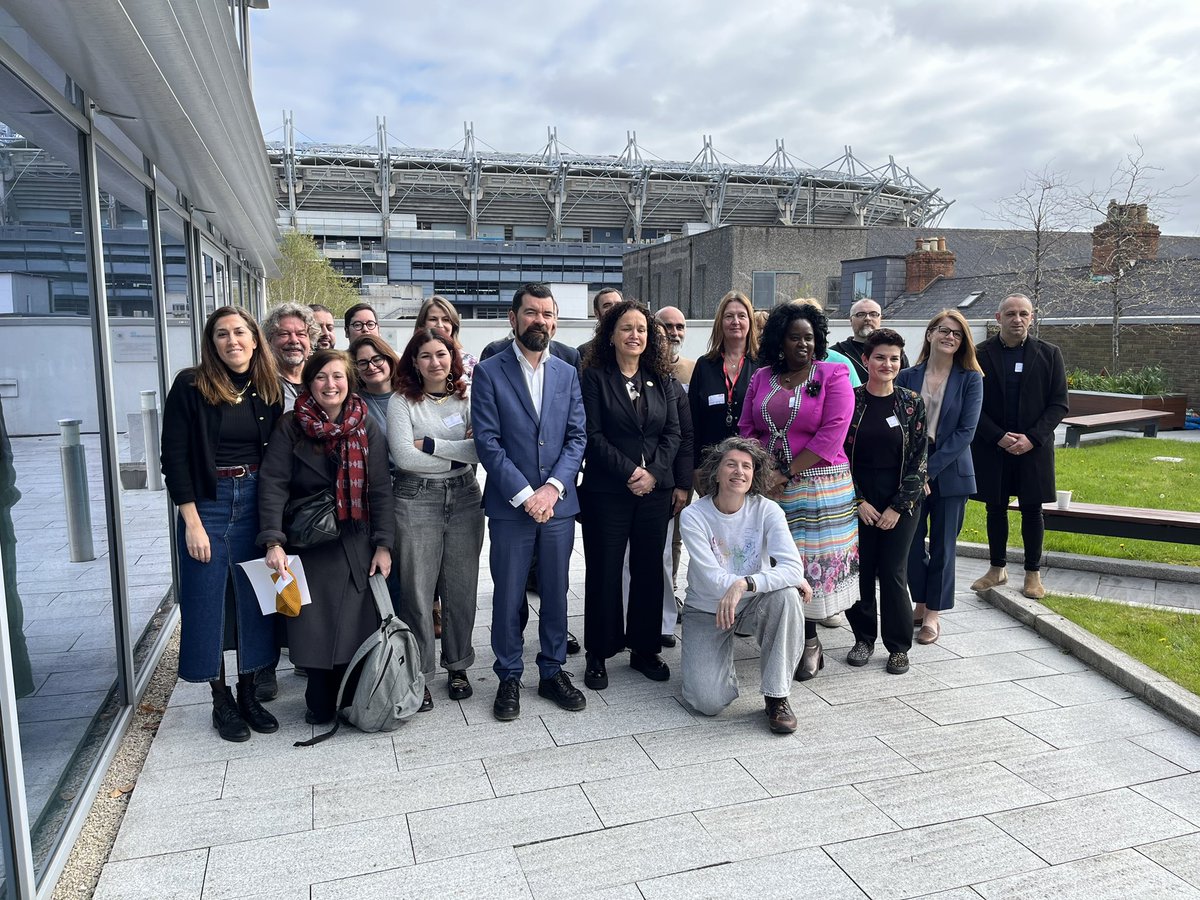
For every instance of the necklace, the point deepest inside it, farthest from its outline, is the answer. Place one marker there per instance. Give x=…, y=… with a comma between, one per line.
x=794, y=379
x=439, y=399
x=241, y=394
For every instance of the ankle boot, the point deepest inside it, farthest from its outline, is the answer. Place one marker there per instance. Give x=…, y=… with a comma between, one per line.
x=226, y=718
x=252, y=710
x=811, y=662
x=1033, y=588
x=995, y=575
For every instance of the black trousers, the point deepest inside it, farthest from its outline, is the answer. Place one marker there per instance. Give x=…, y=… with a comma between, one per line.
x=612, y=522
x=320, y=694
x=1033, y=526
x=883, y=555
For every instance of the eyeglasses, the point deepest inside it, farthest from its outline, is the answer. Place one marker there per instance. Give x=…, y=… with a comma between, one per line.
x=943, y=331
x=364, y=365
x=370, y=325
x=867, y=315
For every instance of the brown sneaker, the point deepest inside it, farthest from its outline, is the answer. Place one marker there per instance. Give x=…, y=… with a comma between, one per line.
x=780, y=715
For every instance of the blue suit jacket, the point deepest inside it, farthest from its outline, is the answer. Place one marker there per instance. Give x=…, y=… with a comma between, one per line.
x=950, y=463
x=516, y=447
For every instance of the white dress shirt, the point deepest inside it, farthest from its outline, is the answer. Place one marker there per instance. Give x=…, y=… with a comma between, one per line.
x=535, y=381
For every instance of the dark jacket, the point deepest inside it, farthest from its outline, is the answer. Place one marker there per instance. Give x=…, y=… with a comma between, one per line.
x=685, y=463
x=708, y=418
x=1042, y=405
x=617, y=441
x=853, y=351
x=191, y=430
x=950, y=463
x=909, y=410
x=564, y=352
x=342, y=614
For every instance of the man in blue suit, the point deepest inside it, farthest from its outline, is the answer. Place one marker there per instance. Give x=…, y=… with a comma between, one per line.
x=527, y=413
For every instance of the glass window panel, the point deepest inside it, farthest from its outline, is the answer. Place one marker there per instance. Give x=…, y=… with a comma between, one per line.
x=181, y=320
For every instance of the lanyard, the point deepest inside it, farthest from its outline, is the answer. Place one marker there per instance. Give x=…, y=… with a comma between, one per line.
x=729, y=387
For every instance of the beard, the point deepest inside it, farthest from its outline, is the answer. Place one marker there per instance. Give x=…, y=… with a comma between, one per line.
x=673, y=349
x=534, y=338
x=862, y=332
x=325, y=343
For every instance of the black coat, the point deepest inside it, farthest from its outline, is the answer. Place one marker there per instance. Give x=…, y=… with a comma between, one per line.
x=1042, y=405
x=342, y=613
x=708, y=419
x=617, y=441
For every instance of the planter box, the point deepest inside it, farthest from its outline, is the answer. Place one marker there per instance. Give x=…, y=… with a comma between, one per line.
x=1086, y=403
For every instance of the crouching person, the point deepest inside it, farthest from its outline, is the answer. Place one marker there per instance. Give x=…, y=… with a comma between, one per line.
x=744, y=570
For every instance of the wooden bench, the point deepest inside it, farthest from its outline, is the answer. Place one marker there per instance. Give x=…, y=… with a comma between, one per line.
x=1131, y=522
x=1144, y=420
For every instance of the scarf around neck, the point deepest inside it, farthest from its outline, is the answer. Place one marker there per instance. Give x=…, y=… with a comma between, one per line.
x=346, y=443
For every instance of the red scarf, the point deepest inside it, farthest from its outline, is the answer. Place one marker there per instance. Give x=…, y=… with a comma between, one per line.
x=346, y=442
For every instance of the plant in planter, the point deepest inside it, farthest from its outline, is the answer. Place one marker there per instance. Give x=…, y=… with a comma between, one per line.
x=1145, y=388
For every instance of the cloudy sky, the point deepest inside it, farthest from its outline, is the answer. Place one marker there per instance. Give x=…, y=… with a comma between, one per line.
x=968, y=97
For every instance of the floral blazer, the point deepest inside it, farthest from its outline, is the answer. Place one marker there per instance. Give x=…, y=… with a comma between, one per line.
x=909, y=409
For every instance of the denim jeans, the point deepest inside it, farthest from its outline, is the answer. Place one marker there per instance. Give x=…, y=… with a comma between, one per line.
x=231, y=521
x=439, y=536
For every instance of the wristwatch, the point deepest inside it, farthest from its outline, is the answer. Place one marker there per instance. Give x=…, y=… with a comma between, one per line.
x=749, y=584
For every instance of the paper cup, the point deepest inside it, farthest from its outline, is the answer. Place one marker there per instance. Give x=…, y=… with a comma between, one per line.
x=1063, y=498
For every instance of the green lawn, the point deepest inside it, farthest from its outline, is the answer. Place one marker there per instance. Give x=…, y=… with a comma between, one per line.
x=1168, y=642
x=1123, y=473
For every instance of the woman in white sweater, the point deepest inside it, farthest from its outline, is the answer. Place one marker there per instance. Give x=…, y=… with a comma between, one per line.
x=439, y=519
x=744, y=570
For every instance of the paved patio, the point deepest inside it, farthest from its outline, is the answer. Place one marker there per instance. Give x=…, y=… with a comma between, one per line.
x=999, y=767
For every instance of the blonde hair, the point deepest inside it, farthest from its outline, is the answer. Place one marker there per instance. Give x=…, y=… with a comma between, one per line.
x=716, y=340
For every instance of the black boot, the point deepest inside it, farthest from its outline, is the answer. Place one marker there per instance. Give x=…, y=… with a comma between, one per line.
x=226, y=718
x=252, y=711
x=266, y=684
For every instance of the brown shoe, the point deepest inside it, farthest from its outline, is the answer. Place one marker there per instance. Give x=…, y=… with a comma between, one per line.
x=437, y=620
x=1033, y=588
x=930, y=633
x=995, y=575
x=780, y=715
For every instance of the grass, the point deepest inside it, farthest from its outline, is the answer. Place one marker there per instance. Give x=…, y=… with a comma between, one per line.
x=1168, y=642
x=1123, y=473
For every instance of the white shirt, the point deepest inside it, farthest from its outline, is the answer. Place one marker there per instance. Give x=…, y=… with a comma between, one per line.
x=535, y=381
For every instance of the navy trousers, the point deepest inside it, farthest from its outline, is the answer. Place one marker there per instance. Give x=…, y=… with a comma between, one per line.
x=931, y=572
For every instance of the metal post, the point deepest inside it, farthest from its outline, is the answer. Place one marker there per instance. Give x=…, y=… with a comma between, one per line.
x=154, y=481
x=73, y=457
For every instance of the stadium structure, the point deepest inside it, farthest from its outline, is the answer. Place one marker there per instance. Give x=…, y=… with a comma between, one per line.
x=472, y=224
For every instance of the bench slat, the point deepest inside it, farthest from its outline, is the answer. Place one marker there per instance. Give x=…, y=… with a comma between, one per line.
x=1116, y=418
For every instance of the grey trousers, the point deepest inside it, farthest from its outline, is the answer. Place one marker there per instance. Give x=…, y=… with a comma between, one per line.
x=439, y=536
x=709, y=680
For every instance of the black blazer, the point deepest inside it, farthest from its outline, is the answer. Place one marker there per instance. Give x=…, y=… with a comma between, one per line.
x=685, y=459
x=708, y=420
x=617, y=442
x=564, y=352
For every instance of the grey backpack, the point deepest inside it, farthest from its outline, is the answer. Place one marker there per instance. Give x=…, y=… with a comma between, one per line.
x=391, y=684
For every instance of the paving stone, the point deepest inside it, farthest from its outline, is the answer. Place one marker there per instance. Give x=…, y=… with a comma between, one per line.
x=1091, y=768
x=173, y=876
x=1126, y=874
x=418, y=749
x=1181, y=795
x=294, y=861
x=871, y=683
x=536, y=770
x=1075, y=688
x=964, y=672
x=186, y=737
x=373, y=755
x=1092, y=722
x=1175, y=744
x=950, y=794
x=597, y=724
x=712, y=739
x=981, y=701
x=190, y=784
x=1096, y=823
x=813, y=766
x=635, y=798
x=1179, y=855
x=361, y=799
x=618, y=856
x=1058, y=659
x=495, y=874
x=926, y=860
x=959, y=621
x=501, y=822
x=1072, y=582
x=796, y=875
x=793, y=822
x=1129, y=590
x=1167, y=593
x=955, y=894
x=1000, y=640
x=961, y=745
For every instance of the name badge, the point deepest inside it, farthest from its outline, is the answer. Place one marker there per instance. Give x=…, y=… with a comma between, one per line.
x=716, y=399
x=1019, y=367
x=893, y=422
x=685, y=387
x=451, y=421
x=791, y=401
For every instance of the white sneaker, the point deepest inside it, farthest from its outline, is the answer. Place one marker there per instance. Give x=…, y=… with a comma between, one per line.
x=837, y=620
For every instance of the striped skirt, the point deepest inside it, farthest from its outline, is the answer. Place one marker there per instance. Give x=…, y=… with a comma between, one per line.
x=820, y=514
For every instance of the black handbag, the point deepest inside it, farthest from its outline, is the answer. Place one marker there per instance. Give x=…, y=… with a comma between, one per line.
x=310, y=521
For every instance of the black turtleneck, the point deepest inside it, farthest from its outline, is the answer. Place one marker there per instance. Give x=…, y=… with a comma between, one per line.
x=239, y=443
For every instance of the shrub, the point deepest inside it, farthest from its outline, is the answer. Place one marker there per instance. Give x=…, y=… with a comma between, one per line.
x=1148, y=380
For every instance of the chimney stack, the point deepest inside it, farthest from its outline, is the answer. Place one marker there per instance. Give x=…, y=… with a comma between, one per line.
x=928, y=261
x=1124, y=237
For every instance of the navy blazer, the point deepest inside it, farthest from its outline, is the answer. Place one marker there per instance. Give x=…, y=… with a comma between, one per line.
x=950, y=463
x=564, y=352
x=518, y=448
x=617, y=439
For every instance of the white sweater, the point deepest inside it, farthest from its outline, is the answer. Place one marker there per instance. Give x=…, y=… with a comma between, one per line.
x=723, y=548
x=447, y=423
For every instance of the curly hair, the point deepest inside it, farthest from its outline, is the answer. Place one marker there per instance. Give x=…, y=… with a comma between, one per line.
x=407, y=380
x=656, y=358
x=285, y=309
x=706, y=477
x=770, y=351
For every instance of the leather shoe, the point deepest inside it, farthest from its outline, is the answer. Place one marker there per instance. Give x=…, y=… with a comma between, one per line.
x=930, y=633
x=595, y=676
x=812, y=660
x=266, y=684
x=860, y=653
x=1033, y=588
x=994, y=576
x=650, y=664
x=780, y=716
x=460, y=685
x=668, y=640
x=426, y=701
x=897, y=663
x=313, y=718
x=227, y=720
x=558, y=688
x=507, y=705
x=572, y=644
x=254, y=713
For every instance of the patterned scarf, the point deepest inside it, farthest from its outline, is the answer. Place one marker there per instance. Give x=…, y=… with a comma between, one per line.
x=346, y=442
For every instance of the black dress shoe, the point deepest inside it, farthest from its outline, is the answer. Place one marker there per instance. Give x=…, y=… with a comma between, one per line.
x=595, y=676
x=508, y=700
x=253, y=712
x=559, y=689
x=227, y=720
x=572, y=644
x=650, y=664
x=460, y=685
x=313, y=718
x=266, y=685
x=668, y=640
x=427, y=702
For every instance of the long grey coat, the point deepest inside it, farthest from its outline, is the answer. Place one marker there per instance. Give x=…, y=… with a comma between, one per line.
x=342, y=614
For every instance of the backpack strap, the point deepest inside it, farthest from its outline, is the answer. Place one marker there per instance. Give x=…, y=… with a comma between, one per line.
x=383, y=599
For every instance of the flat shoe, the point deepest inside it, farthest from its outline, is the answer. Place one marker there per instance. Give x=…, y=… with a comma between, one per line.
x=651, y=665
x=460, y=685
x=929, y=633
x=426, y=703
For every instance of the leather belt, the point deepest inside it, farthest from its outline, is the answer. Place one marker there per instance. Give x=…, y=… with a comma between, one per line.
x=235, y=471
